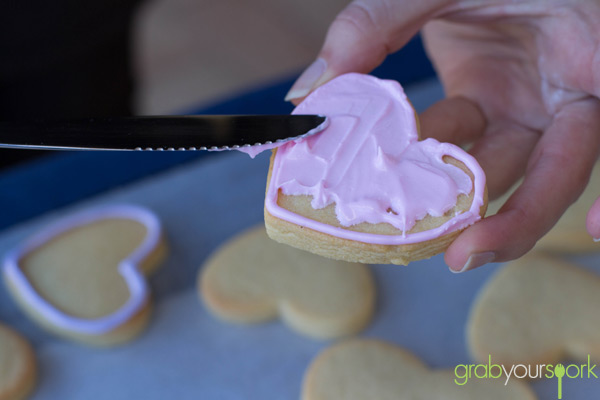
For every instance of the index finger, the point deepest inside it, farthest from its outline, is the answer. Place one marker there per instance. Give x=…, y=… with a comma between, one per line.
x=558, y=171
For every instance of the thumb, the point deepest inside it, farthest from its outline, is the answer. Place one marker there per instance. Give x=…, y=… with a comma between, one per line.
x=361, y=37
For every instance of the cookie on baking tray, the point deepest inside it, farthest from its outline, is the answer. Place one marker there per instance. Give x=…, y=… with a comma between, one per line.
x=84, y=276
x=366, y=189
x=536, y=310
x=252, y=279
x=18, y=369
x=372, y=369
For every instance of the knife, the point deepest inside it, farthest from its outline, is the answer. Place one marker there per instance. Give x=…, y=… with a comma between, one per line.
x=192, y=132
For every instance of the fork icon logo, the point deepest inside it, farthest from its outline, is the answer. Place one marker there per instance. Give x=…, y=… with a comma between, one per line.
x=559, y=372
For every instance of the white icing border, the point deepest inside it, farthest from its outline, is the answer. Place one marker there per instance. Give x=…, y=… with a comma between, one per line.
x=457, y=222
x=128, y=268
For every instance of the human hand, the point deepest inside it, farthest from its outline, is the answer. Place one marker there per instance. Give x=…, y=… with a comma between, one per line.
x=522, y=81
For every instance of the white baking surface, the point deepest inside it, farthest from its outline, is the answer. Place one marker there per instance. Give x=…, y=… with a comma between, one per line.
x=187, y=354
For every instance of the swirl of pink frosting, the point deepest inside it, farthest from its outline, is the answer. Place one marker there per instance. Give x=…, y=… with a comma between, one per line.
x=370, y=163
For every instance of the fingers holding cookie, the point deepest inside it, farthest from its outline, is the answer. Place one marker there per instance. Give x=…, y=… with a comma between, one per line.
x=455, y=120
x=503, y=152
x=557, y=174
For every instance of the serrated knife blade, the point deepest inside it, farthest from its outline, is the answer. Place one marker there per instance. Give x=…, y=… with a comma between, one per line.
x=191, y=132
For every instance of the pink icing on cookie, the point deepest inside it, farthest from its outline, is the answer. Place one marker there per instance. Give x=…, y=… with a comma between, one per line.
x=369, y=162
x=128, y=268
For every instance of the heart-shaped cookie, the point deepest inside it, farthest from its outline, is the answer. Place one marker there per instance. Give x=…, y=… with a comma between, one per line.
x=536, y=310
x=366, y=189
x=83, y=276
x=569, y=235
x=253, y=279
x=17, y=366
x=371, y=369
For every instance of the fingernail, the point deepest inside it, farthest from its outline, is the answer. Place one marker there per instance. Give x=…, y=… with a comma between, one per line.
x=307, y=80
x=477, y=260
x=596, y=239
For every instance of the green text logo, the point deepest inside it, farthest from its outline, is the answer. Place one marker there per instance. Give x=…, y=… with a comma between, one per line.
x=464, y=372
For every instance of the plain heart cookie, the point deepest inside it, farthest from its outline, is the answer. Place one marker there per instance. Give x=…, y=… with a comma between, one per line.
x=361, y=369
x=366, y=189
x=84, y=277
x=18, y=369
x=536, y=310
x=252, y=279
